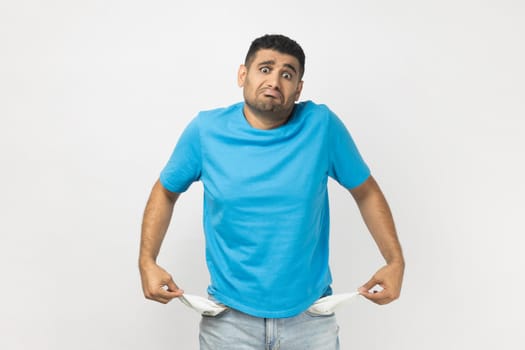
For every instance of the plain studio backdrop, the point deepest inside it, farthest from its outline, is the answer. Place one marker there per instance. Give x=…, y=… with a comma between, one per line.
x=93, y=97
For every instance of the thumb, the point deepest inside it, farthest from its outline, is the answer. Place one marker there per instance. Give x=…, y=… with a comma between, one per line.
x=172, y=287
x=367, y=286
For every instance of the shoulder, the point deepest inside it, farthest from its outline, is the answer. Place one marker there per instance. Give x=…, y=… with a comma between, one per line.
x=213, y=119
x=319, y=111
x=312, y=107
x=315, y=113
x=217, y=113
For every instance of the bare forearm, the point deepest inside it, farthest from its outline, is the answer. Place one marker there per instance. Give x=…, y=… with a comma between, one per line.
x=157, y=216
x=157, y=283
x=378, y=218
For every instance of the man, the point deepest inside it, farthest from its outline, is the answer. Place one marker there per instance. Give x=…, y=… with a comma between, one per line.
x=264, y=165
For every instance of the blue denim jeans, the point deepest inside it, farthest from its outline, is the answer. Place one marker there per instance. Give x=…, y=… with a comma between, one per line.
x=234, y=330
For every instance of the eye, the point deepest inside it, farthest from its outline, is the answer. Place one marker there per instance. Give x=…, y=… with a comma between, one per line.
x=265, y=70
x=286, y=75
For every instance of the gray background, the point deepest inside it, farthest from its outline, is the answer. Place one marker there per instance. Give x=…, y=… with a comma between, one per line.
x=94, y=94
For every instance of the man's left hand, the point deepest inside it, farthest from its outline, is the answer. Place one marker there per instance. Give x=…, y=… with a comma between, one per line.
x=389, y=278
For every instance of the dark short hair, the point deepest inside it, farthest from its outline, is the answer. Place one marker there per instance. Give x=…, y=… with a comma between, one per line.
x=279, y=43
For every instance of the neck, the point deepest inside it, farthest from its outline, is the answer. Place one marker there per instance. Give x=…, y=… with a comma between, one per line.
x=265, y=121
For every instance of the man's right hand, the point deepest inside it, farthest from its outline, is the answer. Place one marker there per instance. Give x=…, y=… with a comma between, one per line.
x=158, y=284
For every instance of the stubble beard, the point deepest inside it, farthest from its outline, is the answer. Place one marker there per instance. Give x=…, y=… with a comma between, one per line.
x=269, y=109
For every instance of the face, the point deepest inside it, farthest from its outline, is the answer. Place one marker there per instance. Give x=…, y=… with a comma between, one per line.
x=271, y=84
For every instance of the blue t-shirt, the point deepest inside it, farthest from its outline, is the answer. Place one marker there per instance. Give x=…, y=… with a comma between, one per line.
x=266, y=216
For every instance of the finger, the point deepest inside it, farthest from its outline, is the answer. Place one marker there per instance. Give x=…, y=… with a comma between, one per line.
x=164, y=296
x=172, y=287
x=163, y=293
x=375, y=294
x=163, y=300
x=365, y=288
x=379, y=297
x=170, y=290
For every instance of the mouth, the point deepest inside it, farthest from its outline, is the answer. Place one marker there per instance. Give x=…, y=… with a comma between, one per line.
x=272, y=93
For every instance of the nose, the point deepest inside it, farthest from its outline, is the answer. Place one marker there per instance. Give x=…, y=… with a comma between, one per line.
x=274, y=81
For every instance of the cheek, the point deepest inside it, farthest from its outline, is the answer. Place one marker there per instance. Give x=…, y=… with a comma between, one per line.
x=248, y=85
x=296, y=94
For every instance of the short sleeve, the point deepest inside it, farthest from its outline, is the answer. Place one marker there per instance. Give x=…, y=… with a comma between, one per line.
x=346, y=164
x=185, y=164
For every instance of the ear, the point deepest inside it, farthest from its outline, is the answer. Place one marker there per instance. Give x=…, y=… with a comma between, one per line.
x=299, y=89
x=241, y=75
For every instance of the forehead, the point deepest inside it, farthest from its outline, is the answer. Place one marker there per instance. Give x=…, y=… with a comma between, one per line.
x=278, y=58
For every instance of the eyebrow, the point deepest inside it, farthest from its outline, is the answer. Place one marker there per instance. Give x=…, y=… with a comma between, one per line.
x=272, y=62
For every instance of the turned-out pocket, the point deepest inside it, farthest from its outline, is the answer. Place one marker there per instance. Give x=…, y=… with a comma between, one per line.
x=205, y=307
x=326, y=306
